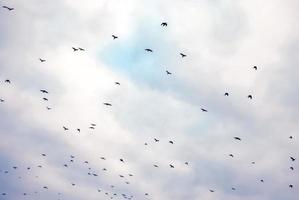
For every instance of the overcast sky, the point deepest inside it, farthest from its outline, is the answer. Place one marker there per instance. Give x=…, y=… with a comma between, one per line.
x=223, y=40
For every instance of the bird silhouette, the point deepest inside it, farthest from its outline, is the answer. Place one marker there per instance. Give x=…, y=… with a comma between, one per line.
x=44, y=91
x=171, y=166
x=212, y=190
x=117, y=83
x=233, y=188
x=114, y=37
x=81, y=49
x=156, y=166
x=65, y=128
x=48, y=108
x=93, y=124
x=186, y=163
x=204, y=110
x=255, y=67
x=75, y=49
x=292, y=168
x=226, y=94
x=8, y=8
x=7, y=81
x=121, y=160
x=78, y=130
x=103, y=158
x=168, y=73
x=293, y=159
x=290, y=186
x=43, y=154
x=231, y=155
x=42, y=60
x=45, y=99
x=156, y=140
x=107, y=104
x=171, y=142
x=249, y=96
x=148, y=50
x=183, y=55
x=164, y=24
x=237, y=138
x=1, y=100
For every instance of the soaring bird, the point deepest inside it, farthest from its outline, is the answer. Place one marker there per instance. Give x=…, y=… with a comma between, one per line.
x=121, y=160
x=130, y=174
x=48, y=108
x=121, y=176
x=65, y=128
x=290, y=186
x=171, y=142
x=114, y=37
x=156, y=140
x=44, y=91
x=45, y=99
x=233, y=188
x=75, y=49
x=117, y=83
x=91, y=127
x=168, y=73
x=249, y=96
x=204, y=110
x=183, y=55
x=45, y=187
x=255, y=67
x=231, y=155
x=1, y=100
x=237, y=138
x=292, y=168
x=291, y=137
x=212, y=190
x=171, y=166
x=8, y=8
x=42, y=60
x=43, y=154
x=262, y=180
x=103, y=158
x=78, y=130
x=156, y=166
x=81, y=49
x=148, y=50
x=226, y=94
x=93, y=124
x=186, y=163
x=65, y=165
x=164, y=24
x=107, y=104
x=293, y=159
x=7, y=81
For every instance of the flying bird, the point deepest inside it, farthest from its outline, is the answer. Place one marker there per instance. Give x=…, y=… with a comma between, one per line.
x=78, y=130
x=255, y=67
x=183, y=55
x=148, y=50
x=156, y=140
x=204, y=110
x=93, y=124
x=44, y=91
x=249, y=96
x=171, y=142
x=7, y=81
x=81, y=49
x=48, y=108
x=114, y=37
x=156, y=166
x=75, y=49
x=43, y=154
x=121, y=160
x=186, y=163
x=231, y=155
x=237, y=138
x=292, y=168
x=1, y=100
x=8, y=8
x=65, y=128
x=290, y=186
x=45, y=99
x=42, y=60
x=107, y=104
x=226, y=94
x=171, y=166
x=164, y=24
x=212, y=190
x=293, y=159
x=168, y=73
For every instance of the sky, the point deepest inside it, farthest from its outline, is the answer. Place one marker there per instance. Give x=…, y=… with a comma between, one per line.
x=222, y=41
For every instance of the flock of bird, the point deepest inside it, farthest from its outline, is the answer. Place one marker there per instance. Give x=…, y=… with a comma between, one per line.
x=110, y=193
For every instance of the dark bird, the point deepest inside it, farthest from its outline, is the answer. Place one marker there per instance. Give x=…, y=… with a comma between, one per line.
x=130, y=174
x=7, y=81
x=290, y=186
x=145, y=143
x=204, y=110
x=164, y=24
x=127, y=182
x=121, y=176
x=94, y=174
x=293, y=159
x=78, y=130
x=45, y=187
x=43, y=154
x=186, y=163
x=292, y=168
x=104, y=169
x=156, y=166
x=44, y=91
x=146, y=194
x=65, y=128
x=1, y=100
x=117, y=83
x=114, y=37
x=93, y=124
x=73, y=184
x=156, y=140
x=171, y=142
x=3, y=194
x=91, y=127
x=255, y=67
x=252, y=162
x=103, y=158
x=45, y=99
x=72, y=156
x=249, y=96
x=237, y=138
x=233, y=188
x=291, y=137
x=65, y=165
x=81, y=49
x=212, y=191
x=107, y=104
x=183, y=55
x=48, y=108
x=121, y=160
x=75, y=49
x=148, y=50
x=231, y=155
x=168, y=73
x=86, y=162
x=8, y=8
x=226, y=94
x=15, y=167
x=171, y=166
x=262, y=180
x=42, y=60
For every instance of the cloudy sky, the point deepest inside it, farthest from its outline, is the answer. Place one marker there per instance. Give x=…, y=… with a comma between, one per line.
x=223, y=40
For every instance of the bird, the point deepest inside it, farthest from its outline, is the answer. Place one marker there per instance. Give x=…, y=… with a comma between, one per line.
x=78, y=130
x=156, y=166
x=107, y=104
x=65, y=128
x=293, y=159
x=65, y=165
x=81, y=49
x=253, y=163
x=15, y=167
x=93, y=124
x=114, y=37
x=130, y=174
x=7, y=81
x=145, y=143
x=237, y=138
x=103, y=158
x=8, y=8
x=45, y=99
x=255, y=67
x=156, y=140
x=75, y=49
x=44, y=91
x=171, y=142
x=1, y=100
x=290, y=186
x=186, y=163
x=43, y=154
x=121, y=160
x=45, y=187
x=249, y=96
x=171, y=166
x=233, y=188
x=291, y=137
x=262, y=180
x=183, y=55
x=121, y=176
x=292, y=168
x=117, y=83
x=168, y=73
x=91, y=127
x=42, y=60
x=231, y=155
x=204, y=110
x=212, y=190
x=3, y=194
x=48, y=108
x=73, y=184
x=94, y=174
x=164, y=24
x=148, y=50
x=226, y=94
